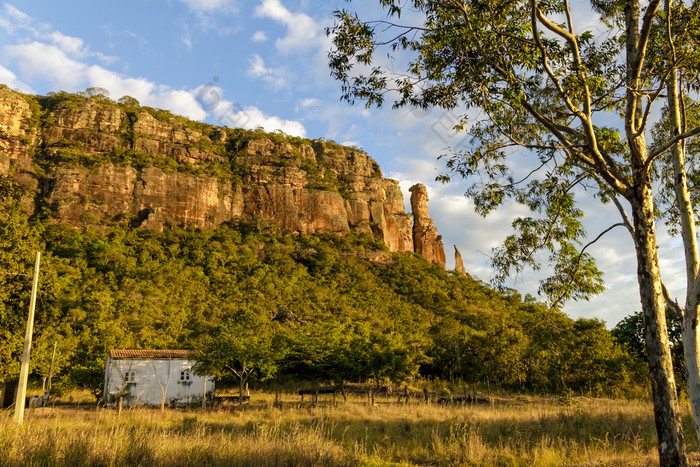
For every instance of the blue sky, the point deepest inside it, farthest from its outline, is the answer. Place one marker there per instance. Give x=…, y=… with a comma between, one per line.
x=263, y=63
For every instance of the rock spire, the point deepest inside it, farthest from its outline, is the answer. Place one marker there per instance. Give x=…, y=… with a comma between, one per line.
x=426, y=240
x=459, y=264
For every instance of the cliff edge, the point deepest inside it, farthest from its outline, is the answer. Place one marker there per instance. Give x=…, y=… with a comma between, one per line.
x=93, y=161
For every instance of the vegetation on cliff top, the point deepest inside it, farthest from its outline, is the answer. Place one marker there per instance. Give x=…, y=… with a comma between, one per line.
x=222, y=146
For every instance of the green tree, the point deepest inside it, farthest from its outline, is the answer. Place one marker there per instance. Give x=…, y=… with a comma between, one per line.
x=543, y=85
x=240, y=346
x=314, y=352
x=380, y=356
x=51, y=353
x=629, y=333
x=89, y=377
x=450, y=341
x=19, y=242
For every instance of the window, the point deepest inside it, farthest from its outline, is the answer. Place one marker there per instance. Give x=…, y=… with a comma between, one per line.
x=130, y=376
x=185, y=376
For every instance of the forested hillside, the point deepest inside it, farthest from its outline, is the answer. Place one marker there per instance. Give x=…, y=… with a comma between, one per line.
x=279, y=258
x=293, y=307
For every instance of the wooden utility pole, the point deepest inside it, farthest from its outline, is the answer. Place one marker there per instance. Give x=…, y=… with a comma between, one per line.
x=24, y=368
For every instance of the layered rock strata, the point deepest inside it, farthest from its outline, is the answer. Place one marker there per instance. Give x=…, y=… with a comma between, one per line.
x=93, y=161
x=426, y=240
x=459, y=263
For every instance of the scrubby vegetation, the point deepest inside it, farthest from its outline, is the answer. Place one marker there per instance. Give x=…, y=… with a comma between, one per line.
x=310, y=308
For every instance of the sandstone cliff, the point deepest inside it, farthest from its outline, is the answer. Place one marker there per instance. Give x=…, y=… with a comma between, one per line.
x=426, y=240
x=459, y=263
x=94, y=161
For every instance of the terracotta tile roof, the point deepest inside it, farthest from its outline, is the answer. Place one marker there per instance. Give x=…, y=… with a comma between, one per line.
x=150, y=353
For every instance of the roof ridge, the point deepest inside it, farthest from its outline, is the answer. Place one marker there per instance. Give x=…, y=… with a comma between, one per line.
x=151, y=353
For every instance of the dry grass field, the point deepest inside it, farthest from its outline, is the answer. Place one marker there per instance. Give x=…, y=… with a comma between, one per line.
x=517, y=430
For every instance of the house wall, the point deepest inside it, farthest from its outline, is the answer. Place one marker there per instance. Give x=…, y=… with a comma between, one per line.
x=151, y=378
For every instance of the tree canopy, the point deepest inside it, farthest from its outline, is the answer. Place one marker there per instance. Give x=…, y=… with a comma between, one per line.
x=261, y=305
x=576, y=99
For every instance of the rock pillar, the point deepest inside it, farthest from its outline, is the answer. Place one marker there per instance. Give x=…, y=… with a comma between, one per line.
x=459, y=264
x=426, y=240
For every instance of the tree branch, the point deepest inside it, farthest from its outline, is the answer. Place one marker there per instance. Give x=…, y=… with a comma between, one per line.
x=623, y=214
x=676, y=139
x=650, y=101
x=643, y=38
x=535, y=15
x=578, y=260
x=614, y=179
x=600, y=160
x=671, y=302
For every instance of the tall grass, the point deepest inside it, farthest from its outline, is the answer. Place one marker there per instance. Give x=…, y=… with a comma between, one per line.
x=514, y=431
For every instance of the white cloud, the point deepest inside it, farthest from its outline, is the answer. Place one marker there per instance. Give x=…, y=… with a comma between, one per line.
x=119, y=85
x=194, y=104
x=140, y=41
x=50, y=63
x=75, y=47
x=259, y=36
x=230, y=114
x=302, y=30
x=10, y=79
x=209, y=5
x=12, y=19
x=212, y=16
x=180, y=102
x=70, y=45
x=252, y=117
x=276, y=77
x=338, y=116
x=16, y=15
x=308, y=103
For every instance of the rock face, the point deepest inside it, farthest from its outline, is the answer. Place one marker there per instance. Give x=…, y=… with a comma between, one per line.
x=459, y=264
x=426, y=240
x=96, y=162
x=17, y=140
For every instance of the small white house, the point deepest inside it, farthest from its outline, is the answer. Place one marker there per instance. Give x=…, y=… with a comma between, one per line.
x=154, y=377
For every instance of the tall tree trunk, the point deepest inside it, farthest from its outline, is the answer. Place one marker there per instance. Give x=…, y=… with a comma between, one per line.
x=690, y=247
x=687, y=220
x=671, y=444
x=666, y=410
x=690, y=352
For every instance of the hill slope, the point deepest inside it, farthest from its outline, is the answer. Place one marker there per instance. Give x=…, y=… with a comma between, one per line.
x=81, y=177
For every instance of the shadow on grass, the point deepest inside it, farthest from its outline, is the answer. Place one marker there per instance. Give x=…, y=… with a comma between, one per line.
x=350, y=434
x=570, y=432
